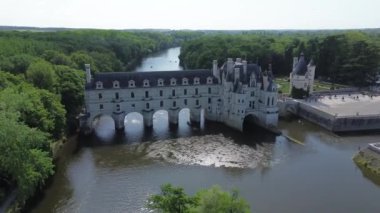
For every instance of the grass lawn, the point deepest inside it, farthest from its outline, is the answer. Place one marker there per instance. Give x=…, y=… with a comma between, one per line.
x=284, y=85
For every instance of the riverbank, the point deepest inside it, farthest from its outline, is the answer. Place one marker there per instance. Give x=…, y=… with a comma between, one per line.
x=369, y=160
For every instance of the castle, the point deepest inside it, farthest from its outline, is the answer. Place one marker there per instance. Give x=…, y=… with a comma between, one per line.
x=229, y=94
x=301, y=77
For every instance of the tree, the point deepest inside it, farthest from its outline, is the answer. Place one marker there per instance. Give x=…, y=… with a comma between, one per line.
x=42, y=75
x=171, y=200
x=215, y=200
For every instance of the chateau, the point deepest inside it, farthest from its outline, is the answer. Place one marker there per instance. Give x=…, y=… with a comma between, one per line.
x=229, y=94
x=302, y=77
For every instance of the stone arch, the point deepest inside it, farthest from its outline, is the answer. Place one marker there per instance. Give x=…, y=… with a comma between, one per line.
x=103, y=126
x=160, y=121
x=250, y=123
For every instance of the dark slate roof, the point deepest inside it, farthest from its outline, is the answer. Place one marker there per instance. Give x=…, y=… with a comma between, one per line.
x=301, y=67
x=107, y=78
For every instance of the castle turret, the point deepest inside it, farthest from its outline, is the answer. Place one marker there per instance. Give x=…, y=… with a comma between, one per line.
x=88, y=73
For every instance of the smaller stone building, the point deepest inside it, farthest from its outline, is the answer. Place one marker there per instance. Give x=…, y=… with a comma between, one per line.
x=302, y=77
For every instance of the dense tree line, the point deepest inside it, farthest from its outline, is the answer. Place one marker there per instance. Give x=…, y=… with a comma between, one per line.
x=41, y=87
x=349, y=57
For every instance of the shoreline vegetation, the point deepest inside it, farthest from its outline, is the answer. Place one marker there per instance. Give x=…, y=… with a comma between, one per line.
x=369, y=161
x=42, y=79
x=41, y=93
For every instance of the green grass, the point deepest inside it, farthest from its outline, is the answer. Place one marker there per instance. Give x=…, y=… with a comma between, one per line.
x=284, y=85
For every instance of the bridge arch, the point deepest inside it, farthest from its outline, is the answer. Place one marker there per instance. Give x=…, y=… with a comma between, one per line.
x=250, y=123
x=103, y=126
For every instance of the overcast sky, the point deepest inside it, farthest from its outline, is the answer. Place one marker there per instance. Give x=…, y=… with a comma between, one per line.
x=192, y=14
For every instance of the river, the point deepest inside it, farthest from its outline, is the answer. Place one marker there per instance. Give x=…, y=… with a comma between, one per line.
x=110, y=172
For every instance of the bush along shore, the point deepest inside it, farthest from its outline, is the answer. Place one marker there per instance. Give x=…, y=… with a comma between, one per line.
x=368, y=160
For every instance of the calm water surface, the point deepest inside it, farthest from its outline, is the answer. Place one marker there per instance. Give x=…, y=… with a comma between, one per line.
x=111, y=172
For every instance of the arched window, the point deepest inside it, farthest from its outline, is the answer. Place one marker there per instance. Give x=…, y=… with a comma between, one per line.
x=99, y=85
x=196, y=81
x=185, y=81
x=160, y=82
x=146, y=83
x=209, y=80
x=147, y=105
x=116, y=84
x=173, y=81
x=131, y=83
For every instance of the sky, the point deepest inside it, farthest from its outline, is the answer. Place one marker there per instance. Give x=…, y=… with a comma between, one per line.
x=192, y=14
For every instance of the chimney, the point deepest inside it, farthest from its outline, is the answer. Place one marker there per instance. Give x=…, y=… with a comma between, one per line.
x=237, y=74
x=245, y=67
x=295, y=62
x=215, y=69
x=230, y=65
x=88, y=73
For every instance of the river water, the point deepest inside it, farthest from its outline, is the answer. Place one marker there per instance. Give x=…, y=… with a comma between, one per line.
x=110, y=172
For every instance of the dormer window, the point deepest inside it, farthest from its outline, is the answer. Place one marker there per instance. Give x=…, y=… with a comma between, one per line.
x=196, y=80
x=160, y=82
x=99, y=85
x=116, y=84
x=185, y=81
x=209, y=80
x=173, y=82
x=131, y=83
x=146, y=83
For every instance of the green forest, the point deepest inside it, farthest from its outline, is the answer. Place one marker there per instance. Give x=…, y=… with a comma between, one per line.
x=348, y=57
x=41, y=91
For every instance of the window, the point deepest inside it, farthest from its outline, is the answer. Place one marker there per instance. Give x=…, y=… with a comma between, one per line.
x=209, y=100
x=174, y=104
x=197, y=102
x=272, y=101
x=132, y=94
x=117, y=107
x=209, y=80
x=173, y=82
x=99, y=85
x=185, y=101
x=101, y=106
x=185, y=81
x=146, y=94
x=196, y=91
x=253, y=104
x=100, y=95
x=173, y=92
x=185, y=91
x=239, y=101
x=196, y=81
x=133, y=105
x=209, y=90
x=116, y=95
x=268, y=101
x=252, y=94
x=147, y=105
x=161, y=93
x=131, y=83
x=160, y=82
x=161, y=103
x=116, y=84
x=146, y=83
